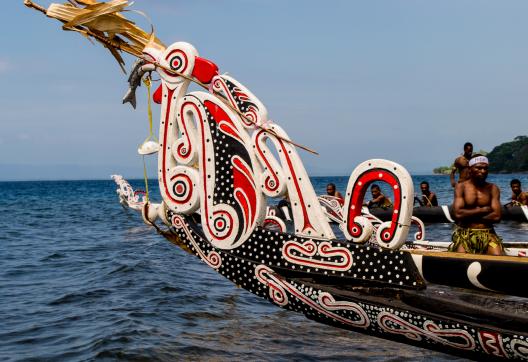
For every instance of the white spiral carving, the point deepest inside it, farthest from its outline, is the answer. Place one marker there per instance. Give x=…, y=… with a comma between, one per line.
x=273, y=182
x=393, y=324
x=276, y=291
x=213, y=259
x=185, y=148
x=182, y=186
x=242, y=99
x=178, y=57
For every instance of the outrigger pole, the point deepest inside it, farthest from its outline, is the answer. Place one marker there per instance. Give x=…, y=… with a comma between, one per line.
x=138, y=36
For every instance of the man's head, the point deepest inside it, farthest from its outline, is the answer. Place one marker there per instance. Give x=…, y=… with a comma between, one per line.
x=515, y=185
x=375, y=190
x=330, y=189
x=424, y=186
x=478, y=168
x=468, y=149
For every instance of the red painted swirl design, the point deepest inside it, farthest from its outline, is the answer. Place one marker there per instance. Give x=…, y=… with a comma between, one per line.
x=328, y=302
x=453, y=337
x=182, y=187
x=330, y=257
x=177, y=61
x=184, y=151
x=272, y=173
x=325, y=304
x=276, y=292
x=213, y=259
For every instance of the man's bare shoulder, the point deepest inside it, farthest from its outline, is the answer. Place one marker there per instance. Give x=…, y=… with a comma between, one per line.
x=492, y=187
x=461, y=186
x=464, y=183
x=461, y=161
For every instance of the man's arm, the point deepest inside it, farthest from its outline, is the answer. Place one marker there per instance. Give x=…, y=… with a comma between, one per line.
x=496, y=211
x=523, y=199
x=459, y=210
x=453, y=171
x=427, y=200
x=377, y=199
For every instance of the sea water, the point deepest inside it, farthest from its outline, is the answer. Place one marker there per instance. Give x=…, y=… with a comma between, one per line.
x=81, y=278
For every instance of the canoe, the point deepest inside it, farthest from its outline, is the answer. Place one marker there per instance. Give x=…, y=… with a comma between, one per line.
x=216, y=173
x=444, y=213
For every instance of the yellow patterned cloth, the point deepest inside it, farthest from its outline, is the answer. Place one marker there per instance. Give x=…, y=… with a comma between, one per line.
x=475, y=241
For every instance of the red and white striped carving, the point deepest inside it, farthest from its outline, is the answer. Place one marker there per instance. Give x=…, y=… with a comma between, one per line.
x=308, y=215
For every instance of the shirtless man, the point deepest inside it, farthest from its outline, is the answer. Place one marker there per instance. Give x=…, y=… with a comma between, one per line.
x=476, y=208
x=461, y=165
x=378, y=199
x=519, y=197
x=428, y=197
x=332, y=191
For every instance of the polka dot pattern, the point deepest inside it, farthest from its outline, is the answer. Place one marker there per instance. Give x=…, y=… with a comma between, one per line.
x=231, y=213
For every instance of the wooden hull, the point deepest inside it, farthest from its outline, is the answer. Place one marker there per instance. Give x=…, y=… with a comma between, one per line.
x=484, y=272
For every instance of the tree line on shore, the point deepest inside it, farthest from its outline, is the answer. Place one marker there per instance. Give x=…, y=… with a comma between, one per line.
x=508, y=157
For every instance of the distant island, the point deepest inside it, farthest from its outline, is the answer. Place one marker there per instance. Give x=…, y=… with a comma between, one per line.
x=508, y=157
x=442, y=170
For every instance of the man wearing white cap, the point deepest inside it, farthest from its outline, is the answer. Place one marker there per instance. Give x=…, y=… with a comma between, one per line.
x=476, y=208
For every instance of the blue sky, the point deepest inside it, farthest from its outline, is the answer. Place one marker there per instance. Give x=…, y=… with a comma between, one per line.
x=409, y=81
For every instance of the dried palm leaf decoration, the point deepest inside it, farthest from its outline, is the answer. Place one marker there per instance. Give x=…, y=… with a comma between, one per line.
x=104, y=22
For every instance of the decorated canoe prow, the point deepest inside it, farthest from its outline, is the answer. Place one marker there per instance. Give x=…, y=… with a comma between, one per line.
x=128, y=197
x=217, y=172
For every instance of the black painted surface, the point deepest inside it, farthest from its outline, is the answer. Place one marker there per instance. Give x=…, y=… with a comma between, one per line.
x=507, y=277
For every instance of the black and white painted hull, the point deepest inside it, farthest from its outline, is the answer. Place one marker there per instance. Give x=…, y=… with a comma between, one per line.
x=500, y=274
x=370, y=290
